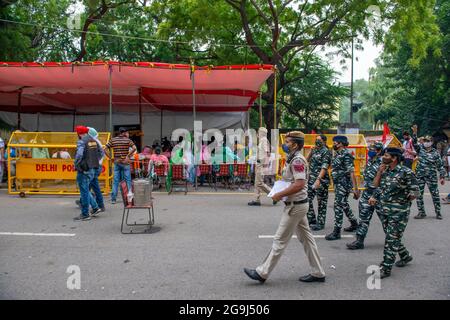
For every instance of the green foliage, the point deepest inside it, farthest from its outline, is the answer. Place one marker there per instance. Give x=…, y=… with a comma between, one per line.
x=313, y=102
x=403, y=94
x=411, y=80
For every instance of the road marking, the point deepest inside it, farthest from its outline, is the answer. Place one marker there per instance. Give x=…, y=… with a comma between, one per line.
x=213, y=193
x=202, y=193
x=37, y=234
x=315, y=236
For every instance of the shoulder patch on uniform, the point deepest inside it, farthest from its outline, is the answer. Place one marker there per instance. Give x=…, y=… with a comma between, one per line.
x=298, y=165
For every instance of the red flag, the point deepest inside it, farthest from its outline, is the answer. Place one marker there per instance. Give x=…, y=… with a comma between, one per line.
x=386, y=131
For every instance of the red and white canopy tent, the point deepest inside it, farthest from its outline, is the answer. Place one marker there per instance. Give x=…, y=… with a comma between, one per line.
x=98, y=87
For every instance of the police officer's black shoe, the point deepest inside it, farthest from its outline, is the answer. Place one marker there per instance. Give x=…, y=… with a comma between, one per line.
x=317, y=227
x=311, y=278
x=384, y=273
x=335, y=235
x=420, y=216
x=254, y=203
x=357, y=244
x=439, y=216
x=403, y=262
x=252, y=274
x=353, y=226
x=274, y=202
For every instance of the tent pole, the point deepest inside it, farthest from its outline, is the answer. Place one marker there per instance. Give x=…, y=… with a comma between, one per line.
x=194, y=114
x=140, y=119
x=260, y=109
x=73, y=122
x=160, y=125
x=110, y=101
x=275, y=101
x=19, y=109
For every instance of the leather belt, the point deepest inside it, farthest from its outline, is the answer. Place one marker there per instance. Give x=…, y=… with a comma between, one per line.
x=288, y=203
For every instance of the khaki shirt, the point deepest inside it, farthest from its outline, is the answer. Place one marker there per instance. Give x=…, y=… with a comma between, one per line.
x=297, y=169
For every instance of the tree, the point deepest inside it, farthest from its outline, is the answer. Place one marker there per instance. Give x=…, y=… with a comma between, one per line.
x=26, y=39
x=404, y=94
x=278, y=32
x=313, y=102
x=285, y=33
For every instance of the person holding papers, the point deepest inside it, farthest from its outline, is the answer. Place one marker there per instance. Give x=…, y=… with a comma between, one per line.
x=294, y=217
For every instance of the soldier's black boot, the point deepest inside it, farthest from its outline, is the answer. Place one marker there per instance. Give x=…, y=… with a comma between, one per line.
x=357, y=244
x=403, y=262
x=317, y=227
x=384, y=273
x=353, y=226
x=439, y=216
x=312, y=220
x=335, y=235
x=420, y=216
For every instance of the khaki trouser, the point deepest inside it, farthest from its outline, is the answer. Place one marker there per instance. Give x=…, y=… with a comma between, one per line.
x=260, y=186
x=293, y=219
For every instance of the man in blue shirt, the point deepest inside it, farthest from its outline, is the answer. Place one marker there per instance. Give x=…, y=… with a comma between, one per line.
x=87, y=163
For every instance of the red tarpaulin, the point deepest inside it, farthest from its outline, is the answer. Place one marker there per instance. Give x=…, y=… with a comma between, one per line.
x=84, y=87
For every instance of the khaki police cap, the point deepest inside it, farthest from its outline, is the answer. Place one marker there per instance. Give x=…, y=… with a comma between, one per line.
x=296, y=135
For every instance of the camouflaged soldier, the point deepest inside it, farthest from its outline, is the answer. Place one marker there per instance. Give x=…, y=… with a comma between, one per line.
x=365, y=209
x=319, y=160
x=429, y=162
x=396, y=188
x=342, y=171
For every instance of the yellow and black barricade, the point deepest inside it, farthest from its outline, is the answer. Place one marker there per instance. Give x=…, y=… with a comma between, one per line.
x=43, y=163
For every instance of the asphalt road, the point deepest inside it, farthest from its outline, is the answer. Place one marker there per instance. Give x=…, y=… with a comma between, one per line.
x=197, y=250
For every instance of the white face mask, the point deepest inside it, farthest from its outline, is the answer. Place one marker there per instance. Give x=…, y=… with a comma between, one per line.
x=427, y=144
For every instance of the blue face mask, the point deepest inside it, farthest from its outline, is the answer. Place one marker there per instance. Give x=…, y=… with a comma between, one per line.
x=371, y=154
x=285, y=148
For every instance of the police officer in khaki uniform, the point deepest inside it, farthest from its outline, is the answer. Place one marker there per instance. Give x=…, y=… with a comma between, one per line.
x=262, y=159
x=294, y=216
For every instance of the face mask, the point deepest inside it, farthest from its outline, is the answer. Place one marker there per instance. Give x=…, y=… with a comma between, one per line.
x=371, y=154
x=335, y=147
x=319, y=143
x=285, y=148
x=427, y=144
x=387, y=161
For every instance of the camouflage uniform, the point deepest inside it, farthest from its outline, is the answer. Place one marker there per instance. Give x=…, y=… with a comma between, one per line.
x=429, y=162
x=395, y=187
x=320, y=159
x=341, y=167
x=366, y=210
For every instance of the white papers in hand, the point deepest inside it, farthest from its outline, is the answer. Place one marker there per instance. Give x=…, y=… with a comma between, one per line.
x=279, y=186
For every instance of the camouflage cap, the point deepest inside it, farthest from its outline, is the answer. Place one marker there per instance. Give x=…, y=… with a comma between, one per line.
x=377, y=145
x=394, y=151
x=341, y=139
